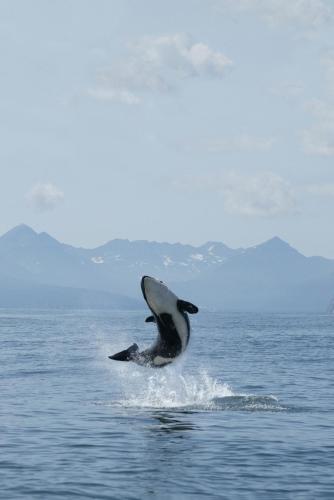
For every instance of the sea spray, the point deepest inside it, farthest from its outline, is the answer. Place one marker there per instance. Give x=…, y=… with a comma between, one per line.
x=174, y=387
x=167, y=388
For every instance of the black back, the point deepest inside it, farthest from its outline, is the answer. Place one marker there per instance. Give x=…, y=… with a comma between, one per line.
x=170, y=344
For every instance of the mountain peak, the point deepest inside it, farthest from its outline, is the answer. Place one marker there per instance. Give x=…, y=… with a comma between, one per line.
x=20, y=231
x=276, y=241
x=276, y=245
x=23, y=228
x=24, y=236
x=213, y=243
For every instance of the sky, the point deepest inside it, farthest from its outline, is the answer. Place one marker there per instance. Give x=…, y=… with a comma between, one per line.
x=192, y=121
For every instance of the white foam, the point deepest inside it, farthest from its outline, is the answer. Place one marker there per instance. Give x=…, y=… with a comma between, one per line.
x=167, y=388
x=133, y=386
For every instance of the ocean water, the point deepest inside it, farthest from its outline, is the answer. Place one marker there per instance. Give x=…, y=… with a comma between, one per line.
x=248, y=412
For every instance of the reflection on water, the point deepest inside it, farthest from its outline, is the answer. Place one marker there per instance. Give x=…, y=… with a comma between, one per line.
x=168, y=424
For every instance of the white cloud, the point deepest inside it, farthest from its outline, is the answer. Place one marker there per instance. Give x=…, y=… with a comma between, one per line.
x=288, y=90
x=322, y=190
x=264, y=194
x=328, y=63
x=44, y=197
x=305, y=13
x=240, y=143
x=318, y=141
x=319, y=138
x=158, y=64
x=105, y=94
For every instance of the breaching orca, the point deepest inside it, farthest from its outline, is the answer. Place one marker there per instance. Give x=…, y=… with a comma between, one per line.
x=170, y=315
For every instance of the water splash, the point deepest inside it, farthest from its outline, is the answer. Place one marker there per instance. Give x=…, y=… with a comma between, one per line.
x=249, y=402
x=172, y=389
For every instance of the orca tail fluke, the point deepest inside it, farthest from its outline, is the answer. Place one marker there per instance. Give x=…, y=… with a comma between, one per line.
x=126, y=355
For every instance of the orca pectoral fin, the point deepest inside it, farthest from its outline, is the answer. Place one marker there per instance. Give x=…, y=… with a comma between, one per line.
x=150, y=319
x=185, y=306
x=126, y=355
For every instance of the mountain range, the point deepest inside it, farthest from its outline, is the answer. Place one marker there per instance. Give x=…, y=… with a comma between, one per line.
x=36, y=270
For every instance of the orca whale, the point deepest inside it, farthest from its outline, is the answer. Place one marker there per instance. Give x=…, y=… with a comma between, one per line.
x=170, y=315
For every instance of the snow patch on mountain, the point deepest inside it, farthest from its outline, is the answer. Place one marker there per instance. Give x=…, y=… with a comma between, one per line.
x=97, y=260
x=197, y=256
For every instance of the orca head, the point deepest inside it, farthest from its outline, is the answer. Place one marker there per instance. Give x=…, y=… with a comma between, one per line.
x=157, y=295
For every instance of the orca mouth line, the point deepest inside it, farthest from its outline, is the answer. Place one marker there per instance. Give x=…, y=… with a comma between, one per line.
x=143, y=288
x=142, y=285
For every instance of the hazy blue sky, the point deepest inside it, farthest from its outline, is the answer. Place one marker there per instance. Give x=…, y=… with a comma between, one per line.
x=172, y=121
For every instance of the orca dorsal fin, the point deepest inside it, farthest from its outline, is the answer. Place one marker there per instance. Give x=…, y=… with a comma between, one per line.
x=184, y=306
x=150, y=319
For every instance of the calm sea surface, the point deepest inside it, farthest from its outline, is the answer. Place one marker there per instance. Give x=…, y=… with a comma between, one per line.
x=247, y=413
